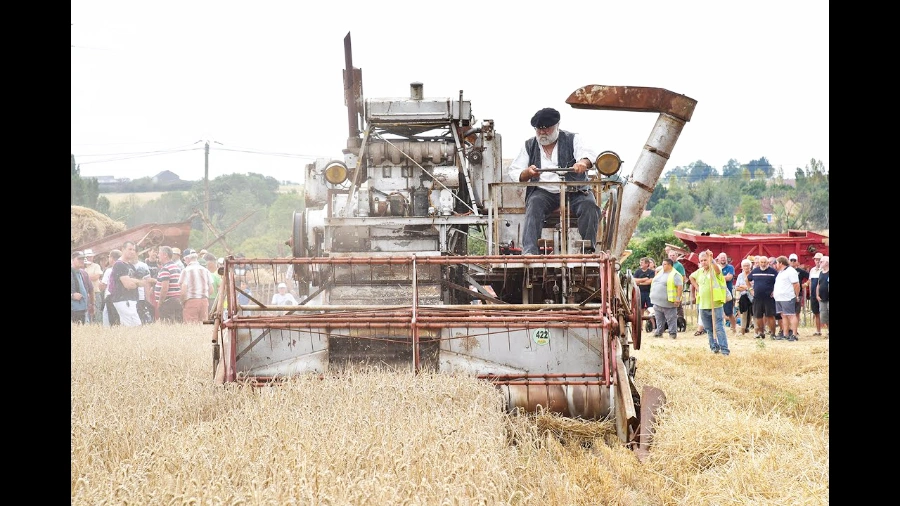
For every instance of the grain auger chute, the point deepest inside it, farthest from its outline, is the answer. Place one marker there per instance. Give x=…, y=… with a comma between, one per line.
x=406, y=257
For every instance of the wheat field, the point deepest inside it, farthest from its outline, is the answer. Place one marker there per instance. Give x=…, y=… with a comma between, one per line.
x=149, y=426
x=139, y=197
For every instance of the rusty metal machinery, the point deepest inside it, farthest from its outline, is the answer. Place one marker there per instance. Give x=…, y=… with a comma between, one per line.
x=405, y=257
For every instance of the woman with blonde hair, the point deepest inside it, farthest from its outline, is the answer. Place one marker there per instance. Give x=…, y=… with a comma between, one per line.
x=745, y=298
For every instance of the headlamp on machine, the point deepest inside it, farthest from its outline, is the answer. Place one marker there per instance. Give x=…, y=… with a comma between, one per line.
x=608, y=163
x=336, y=173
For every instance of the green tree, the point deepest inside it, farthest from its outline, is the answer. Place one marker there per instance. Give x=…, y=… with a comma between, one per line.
x=653, y=246
x=103, y=205
x=709, y=221
x=761, y=165
x=128, y=211
x=676, y=173
x=732, y=169
x=750, y=210
x=700, y=171
x=818, y=214
x=256, y=189
x=659, y=193
x=755, y=188
x=84, y=191
x=77, y=185
x=757, y=227
x=281, y=213
x=169, y=207
x=653, y=224
x=676, y=210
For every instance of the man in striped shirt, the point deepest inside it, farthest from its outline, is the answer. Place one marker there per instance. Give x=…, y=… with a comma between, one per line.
x=195, y=288
x=168, y=287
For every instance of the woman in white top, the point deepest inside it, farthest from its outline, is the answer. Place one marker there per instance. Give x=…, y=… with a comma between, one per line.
x=743, y=295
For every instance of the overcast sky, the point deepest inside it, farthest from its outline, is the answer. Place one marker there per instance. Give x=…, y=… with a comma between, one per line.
x=262, y=81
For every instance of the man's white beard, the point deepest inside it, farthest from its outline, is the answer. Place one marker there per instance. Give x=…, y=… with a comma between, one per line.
x=547, y=139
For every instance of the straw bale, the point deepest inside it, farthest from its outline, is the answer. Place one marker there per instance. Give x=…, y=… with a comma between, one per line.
x=89, y=225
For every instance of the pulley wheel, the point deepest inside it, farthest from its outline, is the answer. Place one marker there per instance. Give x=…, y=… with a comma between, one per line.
x=298, y=239
x=637, y=316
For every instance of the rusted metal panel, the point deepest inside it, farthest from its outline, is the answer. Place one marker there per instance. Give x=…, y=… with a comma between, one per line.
x=632, y=98
x=146, y=236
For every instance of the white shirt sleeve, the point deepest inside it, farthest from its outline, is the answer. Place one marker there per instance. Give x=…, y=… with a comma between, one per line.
x=583, y=151
x=105, y=279
x=519, y=164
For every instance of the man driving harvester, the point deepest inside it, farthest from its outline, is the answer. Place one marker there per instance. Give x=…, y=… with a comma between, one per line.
x=550, y=149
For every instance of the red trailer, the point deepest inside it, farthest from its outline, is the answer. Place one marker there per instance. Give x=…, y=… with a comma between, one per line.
x=739, y=246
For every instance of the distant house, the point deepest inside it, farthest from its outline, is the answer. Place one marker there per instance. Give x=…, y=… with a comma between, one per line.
x=166, y=177
x=767, y=205
x=110, y=183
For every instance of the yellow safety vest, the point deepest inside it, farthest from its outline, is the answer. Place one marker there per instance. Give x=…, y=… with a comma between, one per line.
x=718, y=289
x=671, y=292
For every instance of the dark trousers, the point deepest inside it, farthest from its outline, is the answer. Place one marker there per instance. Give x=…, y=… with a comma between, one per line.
x=78, y=316
x=145, y=311
x=745, y=307
x=540, y=203
x=112, y=313
x=171, y=311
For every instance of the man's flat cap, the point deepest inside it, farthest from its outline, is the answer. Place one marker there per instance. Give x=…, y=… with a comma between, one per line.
x=544, y=118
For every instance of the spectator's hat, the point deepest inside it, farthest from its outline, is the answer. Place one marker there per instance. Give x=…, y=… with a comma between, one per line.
x=176, y=251
x=77, y=254
x=188, y=252
x=89, y=253
x=220, y=261
x=818, y=255
x=793, y=256
x=282, y=285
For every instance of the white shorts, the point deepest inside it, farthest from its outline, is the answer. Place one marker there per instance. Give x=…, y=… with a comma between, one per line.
x=128, y=315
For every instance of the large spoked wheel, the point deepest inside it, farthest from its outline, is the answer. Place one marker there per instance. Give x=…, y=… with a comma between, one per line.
x=637, y=316
x=298, y=239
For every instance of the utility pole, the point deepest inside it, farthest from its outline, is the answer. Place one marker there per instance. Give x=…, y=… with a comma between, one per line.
x=206, y=181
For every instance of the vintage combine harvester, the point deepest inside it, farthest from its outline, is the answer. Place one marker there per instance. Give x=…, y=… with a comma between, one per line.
x=405, y=257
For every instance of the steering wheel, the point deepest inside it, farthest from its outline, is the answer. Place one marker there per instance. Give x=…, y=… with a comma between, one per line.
x=558, y=170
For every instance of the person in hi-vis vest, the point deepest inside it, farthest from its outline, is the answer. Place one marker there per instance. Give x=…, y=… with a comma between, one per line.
x=709, y=285
x=665, y=294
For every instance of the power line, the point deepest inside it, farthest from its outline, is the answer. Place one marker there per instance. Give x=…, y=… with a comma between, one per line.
x=269, y=153
x=137, y=155
x=141, y=152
